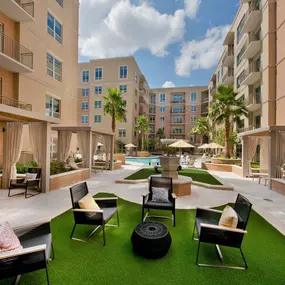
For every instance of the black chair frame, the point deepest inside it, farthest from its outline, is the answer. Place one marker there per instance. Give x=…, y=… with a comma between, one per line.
x=77, y=192
x=209, y=232
x=35, y=184
x=164, y=182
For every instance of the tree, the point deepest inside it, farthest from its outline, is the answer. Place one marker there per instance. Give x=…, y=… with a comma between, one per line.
x=220, y=138
x=115, y=106
x=225, y=109
x=202, y=128
x=143, y=128
x=160, y=134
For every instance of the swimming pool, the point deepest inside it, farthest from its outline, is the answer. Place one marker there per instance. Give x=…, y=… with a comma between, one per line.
x=142, y=160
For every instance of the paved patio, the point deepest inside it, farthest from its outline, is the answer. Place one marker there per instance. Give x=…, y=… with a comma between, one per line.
x=268, y=204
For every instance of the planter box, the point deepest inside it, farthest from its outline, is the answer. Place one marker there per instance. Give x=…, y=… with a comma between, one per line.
x=117, y=164
x=68, y=178
x=169, y=166
x=121, y=157
x=278, y=185
x=143, y=154
x=225, y=161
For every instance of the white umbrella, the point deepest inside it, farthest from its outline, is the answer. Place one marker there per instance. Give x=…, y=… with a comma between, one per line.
x=182, y=144
x=99, y=144
x=215, y=145
x=203, y=146
x=130, y=145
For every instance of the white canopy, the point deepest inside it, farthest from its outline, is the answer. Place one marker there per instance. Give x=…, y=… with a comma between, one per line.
x=182, y=144
x=215, y=145
x=99, y=144
x=203, y=146
x=130, y=145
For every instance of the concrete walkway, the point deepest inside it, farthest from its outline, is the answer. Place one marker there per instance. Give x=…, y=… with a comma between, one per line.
x=268, y=204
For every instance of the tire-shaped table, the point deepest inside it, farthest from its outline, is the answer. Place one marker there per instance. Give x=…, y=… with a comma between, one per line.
x=151, y=240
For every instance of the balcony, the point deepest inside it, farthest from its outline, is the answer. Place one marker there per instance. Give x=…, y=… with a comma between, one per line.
x=15, y=103
x=254, y=102
x=253, y=46
x=228, y=77
x=177, y=112
x=245, y=129
x=18, y=10
x=204, y=111
x=229, y=39
x=253, y=17
x=253, y=74
x=205, y=99
x=178, y=101
x=177, y=123
x=14, y=57
x=229, y=57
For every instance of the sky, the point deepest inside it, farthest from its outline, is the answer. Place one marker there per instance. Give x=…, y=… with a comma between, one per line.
x=175, y=42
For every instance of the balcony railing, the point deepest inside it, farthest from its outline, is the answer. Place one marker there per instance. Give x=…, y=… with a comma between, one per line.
x=178, y=123
x=245, y=129
x=177, y=112
x=15, y=103
x=228, y=73
x=205, y=99
x=27, y=5
x=177, y=101
x=16, y=51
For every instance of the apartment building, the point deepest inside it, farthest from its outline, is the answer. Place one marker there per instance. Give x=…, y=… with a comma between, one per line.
x=95, y=78
x=176, y=110
x=38, y=59
x=254, y=61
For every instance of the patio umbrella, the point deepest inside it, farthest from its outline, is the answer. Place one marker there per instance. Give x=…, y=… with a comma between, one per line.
x=215, y=145
x=182, y=144
x=130, y=145
x=203, y=146
x=99, y=144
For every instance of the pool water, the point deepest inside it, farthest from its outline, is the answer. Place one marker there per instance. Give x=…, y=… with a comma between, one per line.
x=142, y=160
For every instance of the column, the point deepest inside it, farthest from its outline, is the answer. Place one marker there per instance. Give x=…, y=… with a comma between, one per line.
x=245, y=165
x=272, y=156
x=88, y=147
x=45, y=183
x=112, y=141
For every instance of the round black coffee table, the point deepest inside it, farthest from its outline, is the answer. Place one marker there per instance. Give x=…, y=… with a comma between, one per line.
x=151, y=239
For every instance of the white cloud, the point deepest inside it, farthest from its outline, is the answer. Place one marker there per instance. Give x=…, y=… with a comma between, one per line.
x=111, y=28
x=192, y=7
x=168, y=84
x=203, y=54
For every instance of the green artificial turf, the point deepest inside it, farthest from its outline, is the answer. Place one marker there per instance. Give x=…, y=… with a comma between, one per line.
x=115, y=264
x=197, y=175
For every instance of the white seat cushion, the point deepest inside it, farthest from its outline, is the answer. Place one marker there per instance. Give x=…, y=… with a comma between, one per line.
x=229, y=218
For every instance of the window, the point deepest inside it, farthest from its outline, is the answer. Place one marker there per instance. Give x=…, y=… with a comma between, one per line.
x=136, y=77
x=0, y=85
x=177, y=120
x=222, y=72
x=162, y=109
x=84, y=105
x=162, y=119
x=257, y=122
x=152, y=110
x=98, y=90
x=97, y=119
x=193, y=118
x=54, y=67
x=122, y=133
x=98, y=104
x=124, y=88
x=54, y=28
x=84, y=119
x=240, y=124
x=258, y=95
x=123, y=72
x=136, y=106
x=218, y=76
x=98, y=73
x=177, y=98
x=239, y=28
x=162, y=98
x=125, y=103
x=240, y=78
x=177, y=131
x=193, y=97
x=85, y=92
x=53, y=148
x=60, y=2
x=239, y=56
x=152, y=100
x=177, y=110
x=85, y=76
x=193, y=108
x=52, y=107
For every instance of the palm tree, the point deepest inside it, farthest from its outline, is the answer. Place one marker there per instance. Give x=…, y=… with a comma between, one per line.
x=143, y=128
x=160, y=134
x=202, y=128
x=225, y=109
x=115, y=106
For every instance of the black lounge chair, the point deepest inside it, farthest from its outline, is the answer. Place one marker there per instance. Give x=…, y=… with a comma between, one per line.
x=36, y=240
x=161, y=182
x=100, y=218
x=19, y=183
x=209, y=231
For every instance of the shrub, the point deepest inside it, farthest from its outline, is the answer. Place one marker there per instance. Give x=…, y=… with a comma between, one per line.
x=57, y=167
x=22, y=168
x=78, y=160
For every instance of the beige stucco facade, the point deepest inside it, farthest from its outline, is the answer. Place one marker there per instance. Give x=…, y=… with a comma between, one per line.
x=254, y=52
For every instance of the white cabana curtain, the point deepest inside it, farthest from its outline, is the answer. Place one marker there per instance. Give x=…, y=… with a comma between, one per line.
x=14, y=142
x=95, y=140
x=36, y=132
x=280, y=154
x=63, y=143
x=107, y=144
x=82, y=139
x=251, y=150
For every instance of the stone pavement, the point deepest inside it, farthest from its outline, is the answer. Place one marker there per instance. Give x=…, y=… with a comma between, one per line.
x=268, y=204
